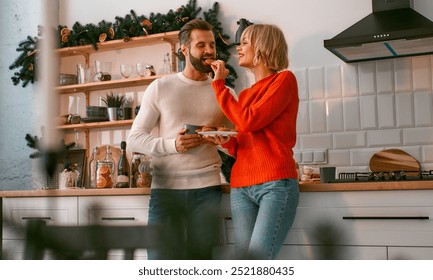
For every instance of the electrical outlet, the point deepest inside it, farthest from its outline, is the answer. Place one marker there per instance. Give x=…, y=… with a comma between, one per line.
x=307, y=157
x=314, y=156
x=320, y=156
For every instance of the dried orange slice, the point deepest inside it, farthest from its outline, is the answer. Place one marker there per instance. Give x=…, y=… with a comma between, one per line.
x=102, y=37
x=65, y=31
x=104, y=171
x=101, y=182
x=109, y=183
x=65, y=38
x=111, y=32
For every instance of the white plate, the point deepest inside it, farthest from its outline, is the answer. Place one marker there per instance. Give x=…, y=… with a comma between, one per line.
x=219, y=132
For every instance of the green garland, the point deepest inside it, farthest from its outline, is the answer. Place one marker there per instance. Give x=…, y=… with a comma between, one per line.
x=132, y=25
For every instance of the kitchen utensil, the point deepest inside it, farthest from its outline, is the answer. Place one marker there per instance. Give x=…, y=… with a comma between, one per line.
x=393, y=160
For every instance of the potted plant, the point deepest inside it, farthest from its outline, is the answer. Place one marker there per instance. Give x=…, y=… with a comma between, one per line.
x=113, y=101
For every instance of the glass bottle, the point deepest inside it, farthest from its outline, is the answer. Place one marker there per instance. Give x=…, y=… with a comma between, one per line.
x=91, y=180
x=122, y=168
x=135, y=163
x=105, y=170
x=167, y=65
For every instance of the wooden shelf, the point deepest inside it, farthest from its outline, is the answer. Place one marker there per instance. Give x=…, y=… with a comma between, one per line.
x=130, y=82
x=106, y=124
x=170, y=38
x=140, y=41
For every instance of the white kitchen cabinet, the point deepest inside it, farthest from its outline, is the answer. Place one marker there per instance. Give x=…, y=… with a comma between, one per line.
x=73, y=211
x=17, y=211
x=410, y=253
x=114, y=211
x=360, y=225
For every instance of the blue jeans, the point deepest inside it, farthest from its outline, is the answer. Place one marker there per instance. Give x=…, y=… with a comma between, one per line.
x=262, y=216
x=190, y=222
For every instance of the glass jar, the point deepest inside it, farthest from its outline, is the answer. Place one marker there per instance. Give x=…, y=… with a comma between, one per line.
x=104, y=174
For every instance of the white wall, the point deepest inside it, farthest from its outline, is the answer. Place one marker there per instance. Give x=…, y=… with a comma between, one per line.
x=18, y=19
x=368, y=102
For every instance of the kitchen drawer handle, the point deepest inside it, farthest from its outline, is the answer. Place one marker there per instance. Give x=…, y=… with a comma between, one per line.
x=36, y=218
x=118, y=218
x=385, y=217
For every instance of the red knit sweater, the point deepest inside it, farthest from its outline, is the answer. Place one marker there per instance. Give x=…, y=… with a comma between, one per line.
x=265, y=116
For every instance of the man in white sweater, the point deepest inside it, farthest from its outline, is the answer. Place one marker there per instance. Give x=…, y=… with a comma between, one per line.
x=185, y=195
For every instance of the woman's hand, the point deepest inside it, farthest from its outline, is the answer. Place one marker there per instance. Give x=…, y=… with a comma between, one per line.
x=219, y=69
x=217, y=139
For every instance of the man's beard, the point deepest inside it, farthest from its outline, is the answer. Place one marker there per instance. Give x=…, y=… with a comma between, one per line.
x=198, y=63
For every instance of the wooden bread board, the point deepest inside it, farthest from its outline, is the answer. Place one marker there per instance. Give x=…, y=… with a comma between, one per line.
x=393, y=160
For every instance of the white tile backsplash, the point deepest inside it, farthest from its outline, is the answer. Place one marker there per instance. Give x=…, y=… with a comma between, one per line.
x=351, y=114
x=339, y=157
x=421, y=73
x=334, y=114
x=381, y=138
x=427, y=152
x=423, y=108
x=303, y=121
x=302, y=80
x=418, y=136
x=350, y=80
x=368, y=112
x=404, y=107
x=403, y=74
x=385, y=76
x=355, y=110
x=317, y=116
x=347, y=140
x=333, y=84
x=316, y=83
x=367, y=78
x=361, y=157
x=315, y=141
x=386, y=110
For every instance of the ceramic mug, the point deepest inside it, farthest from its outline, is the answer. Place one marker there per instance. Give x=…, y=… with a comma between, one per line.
x=124, y=113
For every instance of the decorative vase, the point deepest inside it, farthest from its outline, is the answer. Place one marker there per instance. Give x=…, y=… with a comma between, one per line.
x=112, y=113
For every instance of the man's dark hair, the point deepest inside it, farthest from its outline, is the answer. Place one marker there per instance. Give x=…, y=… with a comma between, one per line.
x=185, y=31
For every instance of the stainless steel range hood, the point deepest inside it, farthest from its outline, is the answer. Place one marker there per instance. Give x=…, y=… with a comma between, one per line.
x=393, y=30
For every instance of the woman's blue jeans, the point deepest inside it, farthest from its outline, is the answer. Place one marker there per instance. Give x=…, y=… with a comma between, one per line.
x=262, y=216
x=190, y=222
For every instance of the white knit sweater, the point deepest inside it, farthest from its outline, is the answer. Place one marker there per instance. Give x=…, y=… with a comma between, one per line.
x=168, y=103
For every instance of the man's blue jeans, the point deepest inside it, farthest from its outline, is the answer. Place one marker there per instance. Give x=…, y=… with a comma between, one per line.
x=262, y=216
x=190, y=219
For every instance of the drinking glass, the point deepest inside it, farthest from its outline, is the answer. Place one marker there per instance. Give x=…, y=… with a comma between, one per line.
x=125, y=70
x=141, y=69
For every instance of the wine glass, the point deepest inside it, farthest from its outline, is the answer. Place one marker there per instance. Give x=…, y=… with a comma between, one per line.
x=141, y=69
x=125, y=70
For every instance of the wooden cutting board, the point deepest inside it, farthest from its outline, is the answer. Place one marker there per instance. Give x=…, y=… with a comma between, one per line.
x=393, y=160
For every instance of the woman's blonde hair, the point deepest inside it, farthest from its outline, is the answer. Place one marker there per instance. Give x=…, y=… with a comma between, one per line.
x=269, y=45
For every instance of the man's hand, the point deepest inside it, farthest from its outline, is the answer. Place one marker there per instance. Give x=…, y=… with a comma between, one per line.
x=186, y=142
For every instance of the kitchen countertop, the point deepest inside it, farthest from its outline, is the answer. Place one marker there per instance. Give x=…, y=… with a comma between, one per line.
x=75, y=192
x=304, y=187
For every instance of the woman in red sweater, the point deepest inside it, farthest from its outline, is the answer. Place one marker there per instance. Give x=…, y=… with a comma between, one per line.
x=264, y=178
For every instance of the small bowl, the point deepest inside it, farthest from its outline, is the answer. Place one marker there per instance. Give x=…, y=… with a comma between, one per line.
x=96, y=111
